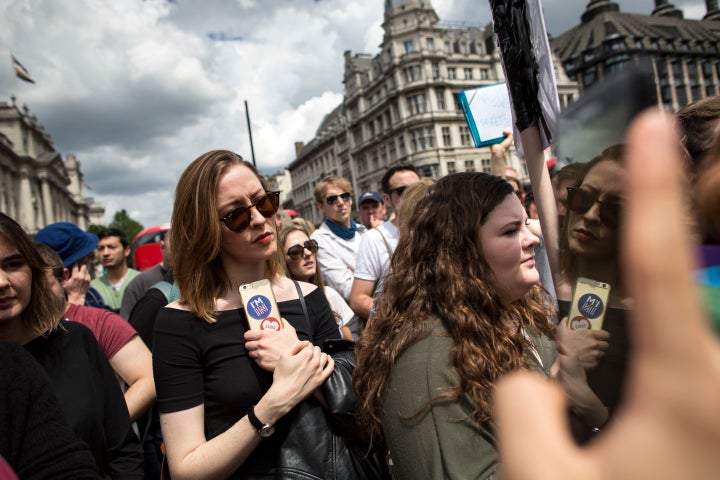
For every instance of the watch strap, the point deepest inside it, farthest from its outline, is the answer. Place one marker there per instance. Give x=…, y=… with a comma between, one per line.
x=254, y=420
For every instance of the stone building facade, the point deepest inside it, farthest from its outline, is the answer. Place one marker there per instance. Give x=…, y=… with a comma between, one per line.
x=37, y=186
x=400, y=106
x=684, y=52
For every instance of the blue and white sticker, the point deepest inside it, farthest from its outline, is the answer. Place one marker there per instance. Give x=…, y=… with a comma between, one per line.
x=590, y=306
x=259, y=307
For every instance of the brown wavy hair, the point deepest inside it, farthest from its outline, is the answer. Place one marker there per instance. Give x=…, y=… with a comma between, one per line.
x=438, y=270
x=196, y=233
x=44, y=311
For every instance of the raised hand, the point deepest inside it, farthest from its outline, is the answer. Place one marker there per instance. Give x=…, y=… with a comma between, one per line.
x=669, y=423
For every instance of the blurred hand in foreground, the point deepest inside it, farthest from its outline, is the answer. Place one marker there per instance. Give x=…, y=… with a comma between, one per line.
x=669, y=423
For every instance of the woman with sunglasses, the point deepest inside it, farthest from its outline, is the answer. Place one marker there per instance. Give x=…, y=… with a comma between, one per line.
x=589, y=248
x=226, y=395
x=301, y=264
x=461, y=306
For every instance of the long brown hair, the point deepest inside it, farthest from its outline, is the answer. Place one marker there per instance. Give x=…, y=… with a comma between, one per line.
x=196, y=233
x=45, y=309
x=438, y=270
x=316, y=279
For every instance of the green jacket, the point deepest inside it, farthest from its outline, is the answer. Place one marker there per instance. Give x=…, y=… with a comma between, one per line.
x=442, y=442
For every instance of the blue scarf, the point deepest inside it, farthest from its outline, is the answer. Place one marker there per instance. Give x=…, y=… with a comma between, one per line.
x=342, y=232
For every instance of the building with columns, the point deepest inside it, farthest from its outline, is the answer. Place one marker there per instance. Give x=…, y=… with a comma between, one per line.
x=683, y=52
x=400, y=105
x=37, y=186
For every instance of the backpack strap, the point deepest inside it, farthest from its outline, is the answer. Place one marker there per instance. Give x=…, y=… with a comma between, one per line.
x=170, y=290
x=387, y=245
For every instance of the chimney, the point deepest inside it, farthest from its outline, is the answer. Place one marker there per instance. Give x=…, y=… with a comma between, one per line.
x=663, y=8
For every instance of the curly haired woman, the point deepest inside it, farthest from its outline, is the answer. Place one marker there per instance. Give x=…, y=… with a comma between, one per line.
x=461, y=308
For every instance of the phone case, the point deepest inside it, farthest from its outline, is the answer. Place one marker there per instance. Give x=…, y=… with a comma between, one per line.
x=261, y=310
x=588, y=305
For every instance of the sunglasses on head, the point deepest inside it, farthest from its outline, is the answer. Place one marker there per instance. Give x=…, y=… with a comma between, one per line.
x=239, y=219
x=398, y=190
x=297, y=250
x=331, y=199
x=580, y=201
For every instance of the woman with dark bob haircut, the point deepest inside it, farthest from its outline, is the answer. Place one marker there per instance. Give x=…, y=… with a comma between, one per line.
x=461, y=307
x=227, y=394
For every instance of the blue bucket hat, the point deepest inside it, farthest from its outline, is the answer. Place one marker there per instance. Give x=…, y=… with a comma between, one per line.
x=71, y=243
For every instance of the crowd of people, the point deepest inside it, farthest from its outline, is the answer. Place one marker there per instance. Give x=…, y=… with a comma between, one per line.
x=422, y=335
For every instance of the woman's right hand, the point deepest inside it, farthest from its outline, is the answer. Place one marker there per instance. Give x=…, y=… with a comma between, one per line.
x=298, y=373
x=587, y=346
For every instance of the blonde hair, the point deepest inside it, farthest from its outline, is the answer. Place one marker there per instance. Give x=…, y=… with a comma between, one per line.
x=196, y=238
x=322, y=185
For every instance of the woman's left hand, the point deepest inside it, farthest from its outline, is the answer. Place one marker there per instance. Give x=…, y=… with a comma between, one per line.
x=570, y=373
x=266, y=347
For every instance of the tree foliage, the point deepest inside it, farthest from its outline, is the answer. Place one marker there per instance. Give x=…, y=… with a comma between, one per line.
x=122, y=221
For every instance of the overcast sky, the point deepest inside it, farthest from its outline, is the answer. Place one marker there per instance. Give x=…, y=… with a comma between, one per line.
x=138, y=89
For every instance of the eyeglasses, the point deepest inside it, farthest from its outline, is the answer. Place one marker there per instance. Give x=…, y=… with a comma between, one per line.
x=239, y=219
x=398, y=190
x=331, y=199
x=580, y=201
x=296, y=251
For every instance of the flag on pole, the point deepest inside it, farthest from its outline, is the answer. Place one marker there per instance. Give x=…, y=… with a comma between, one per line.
x=20, y=71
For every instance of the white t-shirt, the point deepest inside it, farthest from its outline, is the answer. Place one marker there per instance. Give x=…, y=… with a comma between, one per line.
x=339, y=306
x=373, y=259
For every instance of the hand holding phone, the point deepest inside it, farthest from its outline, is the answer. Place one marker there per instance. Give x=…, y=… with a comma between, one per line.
x=589, y=304
x=261, y=310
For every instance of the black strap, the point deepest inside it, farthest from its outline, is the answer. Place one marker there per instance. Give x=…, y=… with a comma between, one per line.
x=302, y=302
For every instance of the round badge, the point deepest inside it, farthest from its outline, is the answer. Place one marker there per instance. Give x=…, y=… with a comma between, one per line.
x=270, y=323
x=579, y=323
x=259, y=307
x=590, y=306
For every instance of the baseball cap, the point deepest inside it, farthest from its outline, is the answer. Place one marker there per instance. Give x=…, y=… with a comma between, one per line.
x=71, y=243
x=370, y=196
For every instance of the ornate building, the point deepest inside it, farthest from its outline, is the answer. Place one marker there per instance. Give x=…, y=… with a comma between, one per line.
x=400, y=105
x=36, y=186
x=684, y=53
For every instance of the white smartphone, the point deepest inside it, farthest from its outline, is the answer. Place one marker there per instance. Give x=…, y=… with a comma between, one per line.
x=589, y=304
x=261, y=310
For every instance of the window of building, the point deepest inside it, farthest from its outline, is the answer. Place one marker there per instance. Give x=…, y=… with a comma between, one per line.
x=666, y=94
x=681, y=95
x=484, y=74
x=409, y=46
x=464, y=136
x=468, y=73
x=440, y=98
x=710, y=90
x=435, y=70
x=480, y=48
x=392, y=151
x=589, y=77
x=473, y=50
x=447, y=141
x=401, y=146
x=416, y=103
x=485, y=165
x=456, y=46
x=696, y=92
x=452, y=73
x=447, y=47
x=469, y=165
x=463, y=48
x=412, y=73
x=430, y=43
x=451, y=167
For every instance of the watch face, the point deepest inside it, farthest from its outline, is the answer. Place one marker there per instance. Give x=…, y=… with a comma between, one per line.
x=266, y=430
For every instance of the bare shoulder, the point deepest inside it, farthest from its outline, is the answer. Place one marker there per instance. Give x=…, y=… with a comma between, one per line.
x=284, y=289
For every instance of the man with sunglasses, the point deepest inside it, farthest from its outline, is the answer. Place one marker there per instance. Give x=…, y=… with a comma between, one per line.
x=378, y=245
x=338, y=237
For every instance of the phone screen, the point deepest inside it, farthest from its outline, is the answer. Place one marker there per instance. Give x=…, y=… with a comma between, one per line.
x=599, y=118
x=261, y=310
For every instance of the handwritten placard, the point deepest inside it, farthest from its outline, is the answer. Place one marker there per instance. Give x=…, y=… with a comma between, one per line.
x=487, y=112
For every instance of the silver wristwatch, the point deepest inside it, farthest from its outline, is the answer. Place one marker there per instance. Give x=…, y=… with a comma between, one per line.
x=263, y=429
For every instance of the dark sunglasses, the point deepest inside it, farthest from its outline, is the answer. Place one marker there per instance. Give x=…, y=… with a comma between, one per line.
x=398, y=190
x=296, y=251
x=346, y=197
x=239, y=219
x=580, y=201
